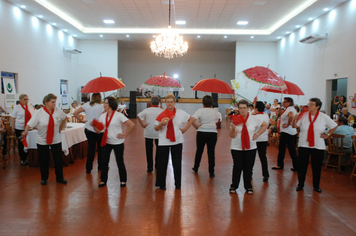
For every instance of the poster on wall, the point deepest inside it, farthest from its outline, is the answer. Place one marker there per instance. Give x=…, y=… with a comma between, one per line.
x=64, y=100
x=64, y=90
x=10, y=91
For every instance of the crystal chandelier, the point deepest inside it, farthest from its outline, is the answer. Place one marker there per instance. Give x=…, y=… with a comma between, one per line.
x=169, y=43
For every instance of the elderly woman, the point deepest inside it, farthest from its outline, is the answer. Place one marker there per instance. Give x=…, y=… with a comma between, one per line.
x=170, y=138
x=49, y=120
x=311, y=142
x=21, y=114
x=93, y=110
x=243, y=145
x=113, y=139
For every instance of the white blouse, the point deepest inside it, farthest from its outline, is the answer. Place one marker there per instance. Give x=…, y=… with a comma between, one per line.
x=114, y=128
x=19, y=114
x=149, y=115
x=253, y=123
x=207, y=117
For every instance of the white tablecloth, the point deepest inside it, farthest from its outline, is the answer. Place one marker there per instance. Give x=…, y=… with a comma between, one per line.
x=73, y=134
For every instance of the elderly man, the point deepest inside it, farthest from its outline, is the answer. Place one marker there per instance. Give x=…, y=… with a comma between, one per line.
x=345, y=113
x=268, y=110
x=348, y=131
x=147, y=118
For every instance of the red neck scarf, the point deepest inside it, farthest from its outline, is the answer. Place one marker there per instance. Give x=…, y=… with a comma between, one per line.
x=245, y=137
x=154, y=105
x=50, y=130
x=259, y=113
x=27, y=114
x=170, y=129
x=310, y=138
x=107, y=123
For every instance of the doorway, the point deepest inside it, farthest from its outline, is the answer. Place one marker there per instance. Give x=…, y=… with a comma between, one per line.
x=335, y=87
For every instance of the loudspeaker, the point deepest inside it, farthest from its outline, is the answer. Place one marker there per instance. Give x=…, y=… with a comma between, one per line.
x=132, y=97
x=215, y=99
x=132, y=110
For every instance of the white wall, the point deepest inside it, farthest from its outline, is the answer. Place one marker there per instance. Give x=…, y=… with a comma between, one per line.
x=136, y=66
x=34, y=50
x=310, y=66
x=250, y=54
x=98, y=56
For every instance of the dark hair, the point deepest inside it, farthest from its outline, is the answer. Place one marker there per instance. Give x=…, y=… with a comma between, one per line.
x=243, y=102
x=290, y=100
x=17, y=102
x=48, y=98
x=296, y=107
x=260, y=106
x=95, y=98
x=251, y=105
x=317, y=101
x=112, y=103
x=343, y=120
x=207, y=101
x=343, y=97
x=154, y=100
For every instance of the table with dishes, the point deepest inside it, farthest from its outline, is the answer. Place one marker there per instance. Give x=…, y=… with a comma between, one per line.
x=74, y=145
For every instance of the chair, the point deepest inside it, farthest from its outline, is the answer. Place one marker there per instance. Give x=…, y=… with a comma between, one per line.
x=10, y=137
x=227, y=112
x=335, y=148
x=354, y=144
x=275, y=138
x=2, y=162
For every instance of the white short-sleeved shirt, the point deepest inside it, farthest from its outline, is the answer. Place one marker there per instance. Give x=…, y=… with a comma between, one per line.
x=122, y=106
x=179, y=121
x=19, y=114
x=321, y=123
x=149, y=115
x=114, y=128
x=253, y=123
x=92, y=112
x=264, y=136
x=274, y=112
x=40, y=119
x=207, y=117
x=284, y=120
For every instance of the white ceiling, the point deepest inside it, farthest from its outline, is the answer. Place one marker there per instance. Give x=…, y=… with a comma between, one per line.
x=152, y=15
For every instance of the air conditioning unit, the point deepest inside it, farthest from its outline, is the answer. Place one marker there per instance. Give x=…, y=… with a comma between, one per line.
x=72, y=50
x=313, y=38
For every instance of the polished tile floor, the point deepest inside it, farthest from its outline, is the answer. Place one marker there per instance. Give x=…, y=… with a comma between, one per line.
x=202, y=207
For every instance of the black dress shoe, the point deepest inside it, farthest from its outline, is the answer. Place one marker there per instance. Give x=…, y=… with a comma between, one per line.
x=150, y=170
x=162, y=188
x=299, y=188
x=195, y=170
x=61, y=181
x=43, y=182
x=123, y=184
x=293, y=169
x=318, y=190
x=277, y=168
x=102, y=184
x=177, y=187
x=88, y=171
x=212, y=175
x=265, y=179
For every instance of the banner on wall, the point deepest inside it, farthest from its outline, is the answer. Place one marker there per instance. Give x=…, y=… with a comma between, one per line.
x=10, y=91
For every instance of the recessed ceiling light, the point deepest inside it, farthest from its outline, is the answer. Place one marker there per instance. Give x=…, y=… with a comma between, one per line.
x=180, y=22
x=40, y=16
x=326, y=9
x=287, y=32
x=279, y=37
x=101, y=36
x=74, y=35
x=127, y=36
x=54, y=23
x=65, y=30
x=198, y=36
x=225, y=37
x=310, y=18
x=109, y=21
x=242, y=22
x=297, y=26
x=23, y=6
x=252, y=37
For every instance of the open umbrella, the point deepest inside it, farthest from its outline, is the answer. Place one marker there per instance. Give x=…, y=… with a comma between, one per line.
x=162, y=83
x=213, y=86
x=263, y=76
x=292, y=89
x=102, y=84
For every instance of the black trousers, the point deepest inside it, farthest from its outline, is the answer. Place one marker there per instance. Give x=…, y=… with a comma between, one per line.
x=149, y=153
x=43, y=156
x=22, y=153
x=162, y=163
x=290, y=141
x=208, y=138
x=94, y=141
x=119, y=155
x=317, y=157
x=262, y=150
x=243, y=162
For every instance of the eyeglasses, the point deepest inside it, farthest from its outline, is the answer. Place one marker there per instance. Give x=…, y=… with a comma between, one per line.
x=106, y=103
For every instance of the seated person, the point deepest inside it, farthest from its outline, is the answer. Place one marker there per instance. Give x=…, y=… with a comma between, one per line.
x=345, y=113
x=122, y=108
x=148, y=93
x=348, y=131
x=274, y=122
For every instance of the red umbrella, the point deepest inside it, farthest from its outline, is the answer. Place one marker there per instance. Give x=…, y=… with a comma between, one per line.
x=292, y=89
x=213, y=86
x=102, y=84
x=163, y=83
x=263, y=75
